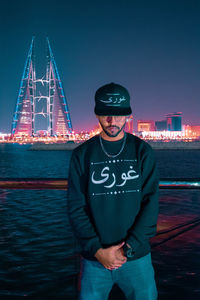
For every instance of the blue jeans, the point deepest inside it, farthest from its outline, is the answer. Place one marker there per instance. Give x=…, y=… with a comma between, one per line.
x=135, y=278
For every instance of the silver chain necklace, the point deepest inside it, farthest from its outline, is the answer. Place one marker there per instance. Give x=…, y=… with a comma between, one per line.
x=110, y=155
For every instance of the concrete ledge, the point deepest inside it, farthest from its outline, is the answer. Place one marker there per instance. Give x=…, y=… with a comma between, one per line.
x=62, y=184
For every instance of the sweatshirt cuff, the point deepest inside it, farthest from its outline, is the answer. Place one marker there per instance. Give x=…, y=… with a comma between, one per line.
x=133, y=242
x=93, y=245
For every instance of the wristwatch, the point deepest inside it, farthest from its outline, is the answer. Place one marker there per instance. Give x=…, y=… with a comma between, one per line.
x=128, y=251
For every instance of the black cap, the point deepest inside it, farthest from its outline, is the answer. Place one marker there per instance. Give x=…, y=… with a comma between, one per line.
x=112, y=100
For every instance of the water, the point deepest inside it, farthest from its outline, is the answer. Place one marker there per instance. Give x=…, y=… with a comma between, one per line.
x=177, y=261
x=17, y=162
x=38, y=250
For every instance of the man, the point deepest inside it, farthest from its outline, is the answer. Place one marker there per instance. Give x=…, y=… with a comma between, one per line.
x=113, y=203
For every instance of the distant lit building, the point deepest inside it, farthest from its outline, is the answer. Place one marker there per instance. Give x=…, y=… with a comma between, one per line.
x=4, y=136
x=145, y=125
x=192, y=131
x=41, y=133
x=163, y=135
x=161, y=125
x=129, y=125
x=174, y=121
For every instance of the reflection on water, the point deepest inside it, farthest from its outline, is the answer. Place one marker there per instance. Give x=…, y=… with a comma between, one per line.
x=176, y=248
x=36, y=244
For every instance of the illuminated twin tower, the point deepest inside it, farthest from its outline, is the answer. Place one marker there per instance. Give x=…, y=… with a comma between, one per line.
x=56, y=107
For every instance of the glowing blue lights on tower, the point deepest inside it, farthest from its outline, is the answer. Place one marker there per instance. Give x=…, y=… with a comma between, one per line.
x=57, y=110
x=23, y=119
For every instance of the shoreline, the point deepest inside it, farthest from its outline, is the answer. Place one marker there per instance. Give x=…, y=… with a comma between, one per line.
x=155, y=145
x=174, y=145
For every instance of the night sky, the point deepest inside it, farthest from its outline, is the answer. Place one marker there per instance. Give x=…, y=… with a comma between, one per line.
x=150, y=47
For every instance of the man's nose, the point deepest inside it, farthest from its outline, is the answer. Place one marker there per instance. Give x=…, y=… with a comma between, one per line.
x=110, y=119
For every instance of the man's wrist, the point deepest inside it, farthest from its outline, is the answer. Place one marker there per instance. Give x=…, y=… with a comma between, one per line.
x=128, y=251
x=98, y=252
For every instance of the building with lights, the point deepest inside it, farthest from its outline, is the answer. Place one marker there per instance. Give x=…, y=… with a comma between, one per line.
x=168, y=130
x=164, y=135
x=192, y=131
x=145, y=125
x=174, y=121
x=161, y=125
x=56, y=107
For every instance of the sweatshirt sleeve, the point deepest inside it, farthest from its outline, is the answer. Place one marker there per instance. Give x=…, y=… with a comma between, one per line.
x=77, y=208
x=145, y=224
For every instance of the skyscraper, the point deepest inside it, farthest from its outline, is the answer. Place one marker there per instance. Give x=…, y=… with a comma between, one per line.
x=59, y=120
x=174, y=121
x=23, y=119
x=57, y=110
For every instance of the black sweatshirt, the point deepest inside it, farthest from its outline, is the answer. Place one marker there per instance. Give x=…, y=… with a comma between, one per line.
x=113, y=199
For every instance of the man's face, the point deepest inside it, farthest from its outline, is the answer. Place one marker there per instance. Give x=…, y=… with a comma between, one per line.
x=112, y=125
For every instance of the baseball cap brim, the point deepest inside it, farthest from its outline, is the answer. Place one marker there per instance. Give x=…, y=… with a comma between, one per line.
x=125, y=111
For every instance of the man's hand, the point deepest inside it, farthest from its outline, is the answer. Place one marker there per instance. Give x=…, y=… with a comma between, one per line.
x=112, y=257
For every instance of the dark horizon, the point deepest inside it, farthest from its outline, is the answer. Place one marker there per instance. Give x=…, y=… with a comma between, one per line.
x=151, y=48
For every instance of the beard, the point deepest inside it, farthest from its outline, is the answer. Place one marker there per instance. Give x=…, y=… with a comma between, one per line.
x=114, y=134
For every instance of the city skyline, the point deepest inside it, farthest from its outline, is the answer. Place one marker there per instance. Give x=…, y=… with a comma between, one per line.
x=152, y=48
